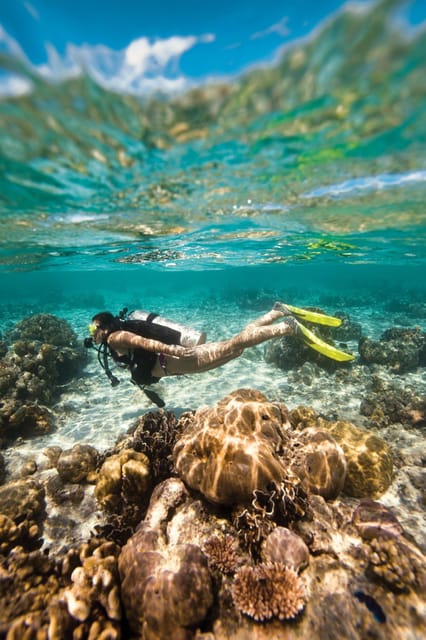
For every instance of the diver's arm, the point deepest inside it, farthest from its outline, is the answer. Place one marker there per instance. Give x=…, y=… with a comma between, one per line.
x=120, y=340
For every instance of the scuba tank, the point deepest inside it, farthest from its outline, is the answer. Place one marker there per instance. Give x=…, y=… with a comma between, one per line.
x=184, y=336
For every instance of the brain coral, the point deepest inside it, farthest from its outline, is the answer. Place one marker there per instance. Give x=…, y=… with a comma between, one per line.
x=369, y=459
x=319, y=463
x=228, y=451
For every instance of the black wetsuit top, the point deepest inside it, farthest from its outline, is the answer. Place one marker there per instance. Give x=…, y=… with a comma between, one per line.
x=141, y=361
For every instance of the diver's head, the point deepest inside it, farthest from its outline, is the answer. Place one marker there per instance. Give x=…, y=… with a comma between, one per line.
x=102, y=325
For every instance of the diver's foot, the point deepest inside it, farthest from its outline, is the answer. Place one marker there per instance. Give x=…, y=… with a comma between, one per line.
x=293, y=326
x=280, y=306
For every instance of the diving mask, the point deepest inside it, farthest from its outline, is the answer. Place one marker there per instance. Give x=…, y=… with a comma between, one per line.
x=93, y=329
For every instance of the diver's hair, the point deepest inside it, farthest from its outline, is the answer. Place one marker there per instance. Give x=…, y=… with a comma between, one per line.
x=106, y=320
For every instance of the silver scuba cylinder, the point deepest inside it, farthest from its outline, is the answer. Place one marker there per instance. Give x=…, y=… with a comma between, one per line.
x=188, y=337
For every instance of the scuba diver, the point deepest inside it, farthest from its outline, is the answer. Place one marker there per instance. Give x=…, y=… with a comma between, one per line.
x=153, y=347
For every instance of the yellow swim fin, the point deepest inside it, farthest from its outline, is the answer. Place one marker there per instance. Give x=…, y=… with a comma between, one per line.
x=319, y=345
x=314, y=316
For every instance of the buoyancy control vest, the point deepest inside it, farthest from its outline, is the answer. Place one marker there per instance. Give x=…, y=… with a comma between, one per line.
x=155, y=327
x=159, y=328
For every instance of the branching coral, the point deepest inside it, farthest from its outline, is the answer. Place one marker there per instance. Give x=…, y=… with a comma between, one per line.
x=268, y=591
x=222, y=553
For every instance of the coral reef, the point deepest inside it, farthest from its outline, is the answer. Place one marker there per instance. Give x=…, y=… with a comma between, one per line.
x=28, y=584
x=286, y=547
x=369, y=460
x=73, y=597
x=399, y=564
x=222, y=553
x=387, y=403
x=78, y=464
x=399, y=349
x=348, y=330
x=267, y=591
x=188, y=567
x=319, y=463
x=374, y=520
x=154, y=434
x=45, y=354
x=166, y=584
x=231, y=450
x=22, y=507
x=392, y=557
x=95, y=584
x=45, y=328
x=124, y=479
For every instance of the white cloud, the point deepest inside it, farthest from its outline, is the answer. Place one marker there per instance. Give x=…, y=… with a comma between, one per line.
x=144, y=55
x=280, y=28
x=142, y=67
x=13, y=85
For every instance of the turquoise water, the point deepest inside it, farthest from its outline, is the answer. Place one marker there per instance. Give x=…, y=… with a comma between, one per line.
x=304, y=180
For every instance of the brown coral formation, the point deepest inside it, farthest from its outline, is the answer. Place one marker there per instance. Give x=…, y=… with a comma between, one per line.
x=73, y=597
x=222, y=553
x=78, y=464
x=154, y=434
x=319, y=463
x=398, y=563
x=268, y=591
x=285, y=547
x=43, y=352
x=230, y=450
x=95, y=585
x=123, y=478
x=374, y=520
x=399, y=349
x=166, y=584
x=28, y=582
x=370, y=464
x=369, y=459
x=22, y=505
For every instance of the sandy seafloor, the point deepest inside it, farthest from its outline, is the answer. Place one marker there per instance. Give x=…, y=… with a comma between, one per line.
x=90, y=411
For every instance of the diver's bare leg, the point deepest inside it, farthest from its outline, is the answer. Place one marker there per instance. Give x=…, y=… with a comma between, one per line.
x=267, y=318
x=279, y=310
x=213, y=354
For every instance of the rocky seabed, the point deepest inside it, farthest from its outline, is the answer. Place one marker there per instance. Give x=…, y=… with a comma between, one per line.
x=244, y=519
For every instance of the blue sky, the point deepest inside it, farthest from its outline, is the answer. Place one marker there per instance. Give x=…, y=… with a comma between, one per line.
x=189, y=39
